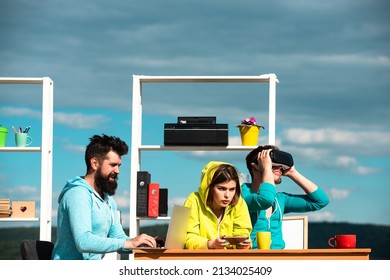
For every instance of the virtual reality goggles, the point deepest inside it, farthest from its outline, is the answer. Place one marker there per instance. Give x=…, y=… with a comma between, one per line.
x=280, y=158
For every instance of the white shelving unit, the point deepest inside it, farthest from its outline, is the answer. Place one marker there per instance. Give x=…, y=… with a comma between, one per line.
x=46, y=150
x=137, y=147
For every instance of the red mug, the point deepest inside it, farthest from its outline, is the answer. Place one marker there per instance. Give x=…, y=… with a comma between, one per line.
x=343, y=241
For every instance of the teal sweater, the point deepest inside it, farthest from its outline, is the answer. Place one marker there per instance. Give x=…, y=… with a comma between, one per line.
x=87, y=226
x=282, y=203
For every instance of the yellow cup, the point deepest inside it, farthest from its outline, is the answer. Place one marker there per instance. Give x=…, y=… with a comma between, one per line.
x=263, y=240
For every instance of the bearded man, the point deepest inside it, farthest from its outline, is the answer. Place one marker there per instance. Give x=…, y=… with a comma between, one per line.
x=87, y=224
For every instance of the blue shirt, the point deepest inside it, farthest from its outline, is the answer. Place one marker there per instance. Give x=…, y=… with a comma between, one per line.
x=282, y=203
x=87, y=226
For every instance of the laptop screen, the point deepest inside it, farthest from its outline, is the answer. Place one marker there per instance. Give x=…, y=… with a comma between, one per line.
x=177, y=229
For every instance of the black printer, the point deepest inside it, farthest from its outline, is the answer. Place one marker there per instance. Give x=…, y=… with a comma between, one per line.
x=196, y=131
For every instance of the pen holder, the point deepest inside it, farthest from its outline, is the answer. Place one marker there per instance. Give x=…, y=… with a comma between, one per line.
x=22, y=139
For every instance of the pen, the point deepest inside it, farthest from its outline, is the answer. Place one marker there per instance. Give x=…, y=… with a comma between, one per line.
x=27, y=129
x=14, y=129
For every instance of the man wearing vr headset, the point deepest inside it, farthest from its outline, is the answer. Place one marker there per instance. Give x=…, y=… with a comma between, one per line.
x=266, y=165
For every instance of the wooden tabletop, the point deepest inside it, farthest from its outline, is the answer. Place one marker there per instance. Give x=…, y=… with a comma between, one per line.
x=221, y=254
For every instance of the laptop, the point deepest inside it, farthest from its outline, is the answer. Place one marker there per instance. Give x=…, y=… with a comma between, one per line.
x=177, y=228
x=176, y=233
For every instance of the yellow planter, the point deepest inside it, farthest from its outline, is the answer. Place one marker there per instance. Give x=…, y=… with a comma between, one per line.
x=249, y=134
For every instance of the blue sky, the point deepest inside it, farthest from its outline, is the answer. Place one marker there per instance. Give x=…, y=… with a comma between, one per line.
x=332, y=59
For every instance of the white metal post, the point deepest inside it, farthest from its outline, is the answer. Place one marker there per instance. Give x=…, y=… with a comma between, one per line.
x=46, y=160
x=272, y=109
x=135, y=154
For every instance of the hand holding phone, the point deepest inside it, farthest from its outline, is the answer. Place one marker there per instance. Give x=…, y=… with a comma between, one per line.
x=234, y=240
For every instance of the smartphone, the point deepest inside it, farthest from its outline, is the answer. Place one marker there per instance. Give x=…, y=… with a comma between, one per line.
x=234, y=240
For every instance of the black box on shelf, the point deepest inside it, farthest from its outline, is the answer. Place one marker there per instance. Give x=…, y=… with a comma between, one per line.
x=143, y=181
x=177, y=134
x=163, y=203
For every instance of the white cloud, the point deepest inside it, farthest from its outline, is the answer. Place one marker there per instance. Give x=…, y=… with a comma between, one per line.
x=379, y=60
x=74, y=120
x=345, y=161
x=351, y=59
x=17, y=111
x=360, y=142
x=361, y=170
x=338, y=194
x=21, y=192
x=320, y=216
x=321, y=147
x=74, y=148
x=77, y=120
x=336, y=136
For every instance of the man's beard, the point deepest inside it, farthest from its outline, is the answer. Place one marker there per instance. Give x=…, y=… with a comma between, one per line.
x=103, y=183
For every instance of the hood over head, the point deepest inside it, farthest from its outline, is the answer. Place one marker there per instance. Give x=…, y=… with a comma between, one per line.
x=206, y=177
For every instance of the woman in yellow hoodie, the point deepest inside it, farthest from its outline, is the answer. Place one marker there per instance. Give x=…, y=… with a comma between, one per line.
x=217, y=210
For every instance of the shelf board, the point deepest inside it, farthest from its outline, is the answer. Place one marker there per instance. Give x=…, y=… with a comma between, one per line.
x=11, y=80
x=195, y=148
x=19, y=219
x=153, y=219
x=205, y=79
x=20, y=149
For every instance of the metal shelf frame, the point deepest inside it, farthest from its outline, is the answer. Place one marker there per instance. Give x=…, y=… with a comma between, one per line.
x=46, y=150
x=136, y=144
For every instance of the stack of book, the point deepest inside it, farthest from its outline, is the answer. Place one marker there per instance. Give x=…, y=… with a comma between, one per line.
x=152, y=201
x=5, y=208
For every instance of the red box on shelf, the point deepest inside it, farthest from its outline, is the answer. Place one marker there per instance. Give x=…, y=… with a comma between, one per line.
x=153, y=199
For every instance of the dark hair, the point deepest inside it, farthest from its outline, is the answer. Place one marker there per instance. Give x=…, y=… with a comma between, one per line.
x=223, y=173
x=252, y=156
x=99, y=146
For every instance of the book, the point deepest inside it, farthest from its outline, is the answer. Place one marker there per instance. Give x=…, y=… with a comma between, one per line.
x=5, y=213
x=5, y=207
x=153, y=199
x=143, y=180
x=5, y=201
